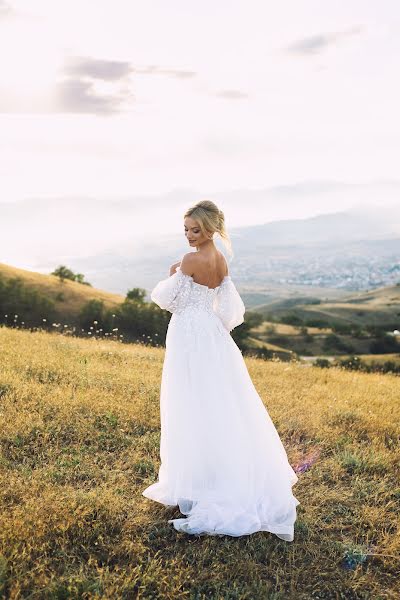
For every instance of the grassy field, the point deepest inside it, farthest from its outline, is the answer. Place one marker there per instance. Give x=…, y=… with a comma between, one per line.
x=79, y=435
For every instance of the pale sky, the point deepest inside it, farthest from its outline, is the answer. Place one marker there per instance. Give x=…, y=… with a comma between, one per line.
x=109, y=99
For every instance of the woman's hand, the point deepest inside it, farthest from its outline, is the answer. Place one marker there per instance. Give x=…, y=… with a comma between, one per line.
x=172, y=268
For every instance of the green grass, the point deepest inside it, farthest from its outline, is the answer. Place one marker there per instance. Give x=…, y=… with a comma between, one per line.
x=79, y=437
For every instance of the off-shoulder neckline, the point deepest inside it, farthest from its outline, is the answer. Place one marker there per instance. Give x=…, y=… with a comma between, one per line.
x=226, y=277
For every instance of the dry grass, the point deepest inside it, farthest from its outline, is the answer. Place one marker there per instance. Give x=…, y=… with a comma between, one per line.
x=377, y=358
x=74, y=294
x=79, y=434
x=292, y=330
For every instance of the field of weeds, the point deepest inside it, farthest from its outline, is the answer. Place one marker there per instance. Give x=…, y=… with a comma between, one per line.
x=79, y=439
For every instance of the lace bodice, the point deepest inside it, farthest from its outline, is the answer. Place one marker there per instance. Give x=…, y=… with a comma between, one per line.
x=180, y=294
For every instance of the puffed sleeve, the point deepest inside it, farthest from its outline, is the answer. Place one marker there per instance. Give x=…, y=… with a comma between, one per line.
x=173, y=292
x=228, y=304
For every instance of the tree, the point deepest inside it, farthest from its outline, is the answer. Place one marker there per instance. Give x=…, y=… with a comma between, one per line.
x=94, y=310
x=79, y=278
x=64, y=273
x=137, y=294
x=383, y=344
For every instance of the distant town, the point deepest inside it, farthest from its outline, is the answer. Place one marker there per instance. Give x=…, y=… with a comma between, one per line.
x=349, y=272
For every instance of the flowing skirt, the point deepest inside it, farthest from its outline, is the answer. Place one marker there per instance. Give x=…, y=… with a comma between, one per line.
x=222, y=460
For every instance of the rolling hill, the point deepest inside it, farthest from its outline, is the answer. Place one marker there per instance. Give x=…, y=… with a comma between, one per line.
x=68, y=296
x=379, y=307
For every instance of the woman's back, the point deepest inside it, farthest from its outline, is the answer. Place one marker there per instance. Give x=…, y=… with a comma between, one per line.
x=209, y=269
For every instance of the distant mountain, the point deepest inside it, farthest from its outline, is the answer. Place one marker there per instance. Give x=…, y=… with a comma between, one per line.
x=344, y=251
x=345, y=226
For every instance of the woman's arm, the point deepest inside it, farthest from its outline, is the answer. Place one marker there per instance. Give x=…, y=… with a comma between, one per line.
x=172, y=268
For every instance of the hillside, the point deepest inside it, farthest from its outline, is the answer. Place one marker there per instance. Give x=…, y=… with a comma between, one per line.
x=79, y=440
x=376, y=307
x=68, y=296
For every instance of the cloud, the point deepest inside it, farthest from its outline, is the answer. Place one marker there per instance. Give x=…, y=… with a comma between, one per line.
x=79, y=96
x=84, y=84
x=316, y=44
x=108, y=70
x=232, y=94
x=156, y=70
x=78, y=90
x=111, y=70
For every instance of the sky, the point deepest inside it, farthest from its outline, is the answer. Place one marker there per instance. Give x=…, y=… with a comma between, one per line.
x=161, y=104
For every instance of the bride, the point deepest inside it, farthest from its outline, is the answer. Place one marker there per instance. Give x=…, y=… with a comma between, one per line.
x=222, y=460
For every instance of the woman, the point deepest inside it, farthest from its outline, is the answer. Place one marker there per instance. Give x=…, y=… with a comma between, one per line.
x=222, y=461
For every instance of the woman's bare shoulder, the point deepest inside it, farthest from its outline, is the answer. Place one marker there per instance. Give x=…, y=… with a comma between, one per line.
x=188, y=263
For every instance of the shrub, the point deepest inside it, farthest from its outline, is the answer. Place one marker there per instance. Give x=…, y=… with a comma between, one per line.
x=383, y=344
x=22, y=303
x=291, y=319
x=333, y=342
x=94, y=310
x=322, y=362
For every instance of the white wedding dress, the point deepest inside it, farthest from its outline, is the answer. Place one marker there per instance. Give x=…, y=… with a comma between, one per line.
x=222, y=460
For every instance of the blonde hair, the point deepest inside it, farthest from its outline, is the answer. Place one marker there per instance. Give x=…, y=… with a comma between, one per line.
x=211, y=220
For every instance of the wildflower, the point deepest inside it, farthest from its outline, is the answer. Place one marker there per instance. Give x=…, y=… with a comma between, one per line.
x=309, y=460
